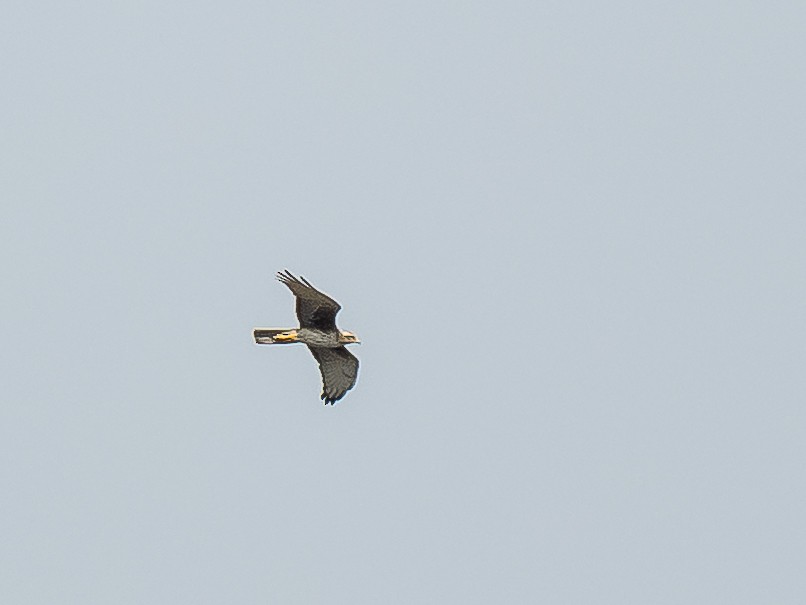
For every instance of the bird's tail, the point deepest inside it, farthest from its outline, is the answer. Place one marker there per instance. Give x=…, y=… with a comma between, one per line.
x=275, y=336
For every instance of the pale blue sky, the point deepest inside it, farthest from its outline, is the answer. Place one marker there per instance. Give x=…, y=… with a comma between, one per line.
x=569, y=234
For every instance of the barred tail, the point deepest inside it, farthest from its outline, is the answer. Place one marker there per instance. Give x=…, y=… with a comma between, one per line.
x=273, y=336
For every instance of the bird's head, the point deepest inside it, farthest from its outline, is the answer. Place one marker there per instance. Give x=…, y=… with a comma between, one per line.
x=347, y=338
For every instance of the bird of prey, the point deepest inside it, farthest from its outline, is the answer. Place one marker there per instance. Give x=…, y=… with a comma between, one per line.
x=317, y=329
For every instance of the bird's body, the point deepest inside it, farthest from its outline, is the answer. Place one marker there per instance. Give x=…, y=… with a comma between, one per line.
x=317, y=318
x=308, y=336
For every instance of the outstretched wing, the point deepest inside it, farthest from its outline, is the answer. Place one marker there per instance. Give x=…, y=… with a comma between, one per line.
x=339, y=370
x=314, y=309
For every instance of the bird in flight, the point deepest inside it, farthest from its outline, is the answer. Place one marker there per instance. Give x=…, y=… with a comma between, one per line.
x=317, y=329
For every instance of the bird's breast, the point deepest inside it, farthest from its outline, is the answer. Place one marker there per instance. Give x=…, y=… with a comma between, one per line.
x=318, y=338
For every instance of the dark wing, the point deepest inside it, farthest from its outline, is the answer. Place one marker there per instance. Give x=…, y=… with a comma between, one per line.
x=339, y=370
x=314, y=309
